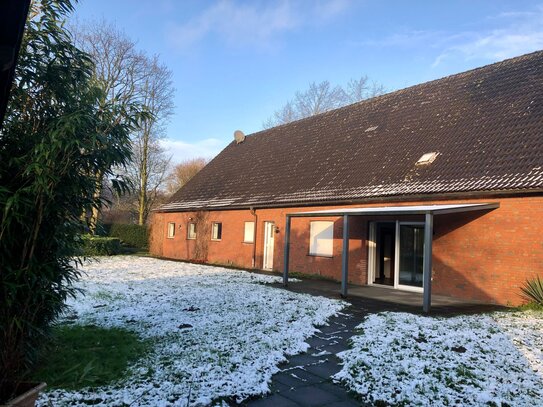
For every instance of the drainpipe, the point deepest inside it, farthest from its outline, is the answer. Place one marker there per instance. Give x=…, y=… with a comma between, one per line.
x=253, y=212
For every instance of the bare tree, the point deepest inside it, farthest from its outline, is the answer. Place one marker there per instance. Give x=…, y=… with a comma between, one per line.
x=183, y=172
x=119, y=71
x=133, y=81
x=322, y=97
x=361, y=89
x=150, y=162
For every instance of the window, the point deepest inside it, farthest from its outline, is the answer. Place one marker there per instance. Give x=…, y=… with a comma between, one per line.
x=427, y=158
x=191, y=231
x=249, y=235
x=321, y=238
x=171, y=230
x=216, y=231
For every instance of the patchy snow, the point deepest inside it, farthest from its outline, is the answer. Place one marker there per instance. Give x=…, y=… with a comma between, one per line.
x=217, y=333
x=480, y=360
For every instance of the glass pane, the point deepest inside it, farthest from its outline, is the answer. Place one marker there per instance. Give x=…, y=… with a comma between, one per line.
x=411, y=255
x=192, y=231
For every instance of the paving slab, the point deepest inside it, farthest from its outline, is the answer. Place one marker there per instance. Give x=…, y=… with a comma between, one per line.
x=297, y=377
x=313, y=396
x=324, y=370
x=344, y=403
x=275, y=400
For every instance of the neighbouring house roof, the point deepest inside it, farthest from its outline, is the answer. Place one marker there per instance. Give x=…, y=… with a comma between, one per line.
x=484, y=128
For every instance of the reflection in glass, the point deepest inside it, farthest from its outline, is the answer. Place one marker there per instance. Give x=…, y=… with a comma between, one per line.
x=411, y=255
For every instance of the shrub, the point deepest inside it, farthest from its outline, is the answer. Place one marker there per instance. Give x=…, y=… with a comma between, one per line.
x=100, y=246
x=60, y=138
x=533, y=290
x=131, y=235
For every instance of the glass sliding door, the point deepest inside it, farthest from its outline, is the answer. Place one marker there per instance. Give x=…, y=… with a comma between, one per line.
x=411, y=253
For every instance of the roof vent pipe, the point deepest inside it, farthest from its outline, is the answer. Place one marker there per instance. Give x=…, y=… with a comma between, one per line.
x=239, y=136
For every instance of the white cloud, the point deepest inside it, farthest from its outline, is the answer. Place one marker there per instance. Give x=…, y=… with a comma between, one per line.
x=329, y=9
x=497, y=45
x=181, y=150
x=406, y=38
x=514, y=33
x=254, y=23
x=522, y=33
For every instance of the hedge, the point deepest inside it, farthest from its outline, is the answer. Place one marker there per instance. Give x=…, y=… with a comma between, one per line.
x=131, y=235
x=100, y=246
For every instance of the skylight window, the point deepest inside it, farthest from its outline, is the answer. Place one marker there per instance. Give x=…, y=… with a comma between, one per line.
x=427, y=158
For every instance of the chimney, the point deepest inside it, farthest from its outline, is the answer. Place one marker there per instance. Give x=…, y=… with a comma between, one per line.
x=239, y=136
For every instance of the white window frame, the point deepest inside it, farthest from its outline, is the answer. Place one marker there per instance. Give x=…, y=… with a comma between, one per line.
x=213, y=224
x=251, y=237
x=171, y=230
x=190, y=227
x=326, y=247
x=372, y=257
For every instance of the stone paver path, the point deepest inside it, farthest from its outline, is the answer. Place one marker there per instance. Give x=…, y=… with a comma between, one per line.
x=305, y=379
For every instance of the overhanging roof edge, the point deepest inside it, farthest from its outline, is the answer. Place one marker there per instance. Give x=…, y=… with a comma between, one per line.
x=476, y=207
x=400, y=210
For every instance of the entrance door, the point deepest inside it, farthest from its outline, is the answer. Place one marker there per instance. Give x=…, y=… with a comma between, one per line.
x=269, y=235
x=411, y=254
x=396, y=254
x=386, y=241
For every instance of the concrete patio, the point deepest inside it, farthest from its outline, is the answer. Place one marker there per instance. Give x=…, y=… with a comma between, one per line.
x=378, y=298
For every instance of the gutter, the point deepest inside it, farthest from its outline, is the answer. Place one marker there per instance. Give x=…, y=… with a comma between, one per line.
x=253, y=212
x=381, y=199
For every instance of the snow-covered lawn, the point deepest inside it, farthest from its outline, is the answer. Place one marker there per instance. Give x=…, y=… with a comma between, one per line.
x=216, y=333
x=404, y=359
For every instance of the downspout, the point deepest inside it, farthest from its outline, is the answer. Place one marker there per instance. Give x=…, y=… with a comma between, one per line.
x=253, y=212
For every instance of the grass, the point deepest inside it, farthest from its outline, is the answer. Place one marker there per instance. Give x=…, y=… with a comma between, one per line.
x=300, y=275
x=531, y=306
x=88, y=356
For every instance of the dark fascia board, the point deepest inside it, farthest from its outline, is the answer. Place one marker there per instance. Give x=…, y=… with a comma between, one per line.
x=483, y=207
x=397, y=212
x=13, y=14
x=389, y=199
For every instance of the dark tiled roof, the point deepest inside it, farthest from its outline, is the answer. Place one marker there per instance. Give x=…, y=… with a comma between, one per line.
x=486, y=125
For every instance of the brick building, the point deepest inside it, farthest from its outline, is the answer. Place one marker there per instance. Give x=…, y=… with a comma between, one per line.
x=438, y=186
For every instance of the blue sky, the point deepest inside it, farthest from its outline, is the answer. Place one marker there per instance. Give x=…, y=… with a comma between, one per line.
x=235, y=62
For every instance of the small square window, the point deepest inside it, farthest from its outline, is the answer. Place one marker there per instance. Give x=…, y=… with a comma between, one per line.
x=171, y=230
x=249, y=233
x=216, y=231
x=191, y=231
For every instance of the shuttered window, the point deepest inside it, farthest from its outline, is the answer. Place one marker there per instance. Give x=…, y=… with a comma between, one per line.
x=321, y=238
x=249, y=234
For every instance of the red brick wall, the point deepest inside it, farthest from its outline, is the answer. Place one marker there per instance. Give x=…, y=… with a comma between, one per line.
x=488, y=256
x=476, y=255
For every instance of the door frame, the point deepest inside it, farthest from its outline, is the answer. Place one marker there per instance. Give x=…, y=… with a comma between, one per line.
x=372, y=256
x=265, y=254
x=397, y=284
